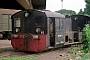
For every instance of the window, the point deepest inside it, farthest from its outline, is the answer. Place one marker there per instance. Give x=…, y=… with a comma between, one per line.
x=16, y=22
x=61, y=23
x=57, y=24
x=50, y=25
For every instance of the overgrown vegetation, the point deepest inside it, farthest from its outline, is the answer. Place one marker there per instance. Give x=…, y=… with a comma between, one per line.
x=85, y=56
x=86, y=38
x=86, y=9
x=83, y=51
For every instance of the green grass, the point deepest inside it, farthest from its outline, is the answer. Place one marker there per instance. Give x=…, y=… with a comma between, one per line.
x=19, y=58
x=72, y=51
x=85, y=56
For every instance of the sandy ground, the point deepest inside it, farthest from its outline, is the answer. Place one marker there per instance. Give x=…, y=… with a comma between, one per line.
x=6, y=50
x=5, y=43
x=54, y=55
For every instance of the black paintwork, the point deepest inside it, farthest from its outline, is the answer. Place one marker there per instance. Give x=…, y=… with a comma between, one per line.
x=28, y=24
x=80, y=22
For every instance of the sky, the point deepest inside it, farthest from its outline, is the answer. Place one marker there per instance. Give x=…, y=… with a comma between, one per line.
x=75, y=5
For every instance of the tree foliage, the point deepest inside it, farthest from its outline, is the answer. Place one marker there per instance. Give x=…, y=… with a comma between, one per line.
x=87, y=9
x=87, y=6
x=86, y=38
x=64, y=11
x=81, y=12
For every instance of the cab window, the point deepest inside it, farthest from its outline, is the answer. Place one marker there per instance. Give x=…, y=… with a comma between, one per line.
x=16, y=22
x=57, y=24
x=61, y=24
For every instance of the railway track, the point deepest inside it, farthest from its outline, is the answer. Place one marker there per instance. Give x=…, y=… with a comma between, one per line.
x=52, y=54
x=9, y=52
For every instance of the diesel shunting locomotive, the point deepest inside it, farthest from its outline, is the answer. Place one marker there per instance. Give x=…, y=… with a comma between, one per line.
x=37, y=30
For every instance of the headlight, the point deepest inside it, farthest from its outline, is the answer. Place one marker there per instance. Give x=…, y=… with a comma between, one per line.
x=26, y=14
x=38, y=30
x=17, y=30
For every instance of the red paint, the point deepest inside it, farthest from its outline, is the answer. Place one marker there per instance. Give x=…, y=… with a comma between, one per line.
x=35, y=45
x=15, y=36
x=18, y=44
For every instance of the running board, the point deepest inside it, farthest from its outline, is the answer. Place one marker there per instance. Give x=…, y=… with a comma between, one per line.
x=67, y=43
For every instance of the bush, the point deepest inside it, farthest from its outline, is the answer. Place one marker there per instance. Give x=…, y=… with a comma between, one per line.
x=86, y=38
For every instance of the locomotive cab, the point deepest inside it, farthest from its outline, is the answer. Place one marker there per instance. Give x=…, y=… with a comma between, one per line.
x=29, y=22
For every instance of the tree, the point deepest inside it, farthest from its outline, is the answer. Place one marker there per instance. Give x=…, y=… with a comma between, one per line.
x=81, y=12
x=64, y=11
x=87, y=9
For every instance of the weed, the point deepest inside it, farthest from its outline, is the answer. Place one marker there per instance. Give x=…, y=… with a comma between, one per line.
x=86, y=38
x=85, y=56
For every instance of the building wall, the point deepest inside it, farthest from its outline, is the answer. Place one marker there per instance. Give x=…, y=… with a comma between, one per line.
x=8, y=11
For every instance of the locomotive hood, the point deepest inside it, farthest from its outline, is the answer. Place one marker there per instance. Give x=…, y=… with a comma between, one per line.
x=48, y=13
x=52, y=14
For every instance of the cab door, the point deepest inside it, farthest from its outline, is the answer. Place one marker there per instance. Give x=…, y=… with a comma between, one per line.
x=52, y=31
x=59, y=32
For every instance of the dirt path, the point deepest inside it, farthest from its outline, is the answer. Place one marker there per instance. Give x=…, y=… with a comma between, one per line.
x=5, y=43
